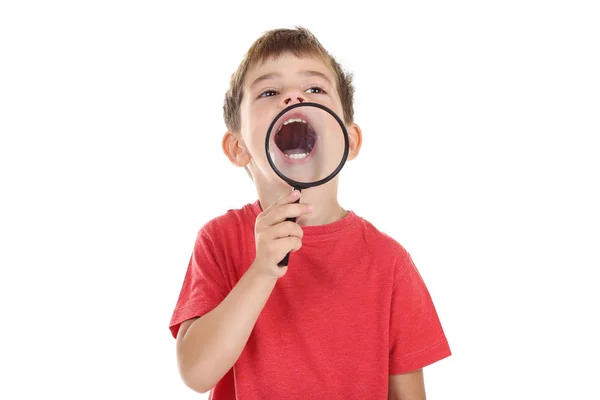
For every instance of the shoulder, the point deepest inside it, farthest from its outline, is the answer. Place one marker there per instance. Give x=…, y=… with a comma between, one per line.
x=387, y=247
x=229, y=224
x=382, y=240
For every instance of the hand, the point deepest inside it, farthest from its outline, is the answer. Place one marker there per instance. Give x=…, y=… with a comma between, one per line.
x=275, y=237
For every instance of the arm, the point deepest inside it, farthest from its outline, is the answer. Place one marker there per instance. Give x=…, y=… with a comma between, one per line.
x=207, y=347
x=409, y=386
x=417, y=338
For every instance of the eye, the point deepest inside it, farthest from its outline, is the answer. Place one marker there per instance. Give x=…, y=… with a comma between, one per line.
x=268, y=93
x=316, y=89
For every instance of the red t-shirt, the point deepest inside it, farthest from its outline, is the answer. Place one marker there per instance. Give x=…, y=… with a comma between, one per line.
x=351, y=310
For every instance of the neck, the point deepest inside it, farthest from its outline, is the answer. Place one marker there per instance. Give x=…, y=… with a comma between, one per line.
x=326, y=208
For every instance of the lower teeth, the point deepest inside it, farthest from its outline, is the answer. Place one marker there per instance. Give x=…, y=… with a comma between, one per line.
x=296, y=156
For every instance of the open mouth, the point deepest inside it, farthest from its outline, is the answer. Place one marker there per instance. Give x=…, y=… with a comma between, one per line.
x=296, y=138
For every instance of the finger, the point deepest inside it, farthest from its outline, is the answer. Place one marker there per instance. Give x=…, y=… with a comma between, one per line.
x=291, y=243
x=286, y=211
x=285, y=229
x=286, y=198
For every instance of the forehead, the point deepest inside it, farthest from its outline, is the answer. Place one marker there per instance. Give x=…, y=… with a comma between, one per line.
x=288, y=66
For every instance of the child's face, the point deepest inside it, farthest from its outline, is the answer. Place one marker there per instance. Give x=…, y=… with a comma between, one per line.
x=269, y=88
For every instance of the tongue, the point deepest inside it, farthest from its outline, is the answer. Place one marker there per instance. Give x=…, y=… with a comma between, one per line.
x=295, y=140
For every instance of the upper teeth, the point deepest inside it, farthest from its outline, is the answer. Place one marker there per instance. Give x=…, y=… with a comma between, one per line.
x=294, y=120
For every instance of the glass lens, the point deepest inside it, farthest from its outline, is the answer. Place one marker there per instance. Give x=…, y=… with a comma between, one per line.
x=306, y=144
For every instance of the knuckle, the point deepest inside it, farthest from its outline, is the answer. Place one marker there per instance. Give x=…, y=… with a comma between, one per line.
x=271, y=247
x=291, y=226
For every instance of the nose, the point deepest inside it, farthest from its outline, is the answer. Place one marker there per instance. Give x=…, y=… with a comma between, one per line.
x=288, y=101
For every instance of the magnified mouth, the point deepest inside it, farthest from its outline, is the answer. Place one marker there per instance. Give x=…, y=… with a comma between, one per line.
x=296, y=138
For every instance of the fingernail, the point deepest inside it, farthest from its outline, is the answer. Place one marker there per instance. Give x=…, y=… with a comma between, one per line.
x=310, y=208
x=295, y=193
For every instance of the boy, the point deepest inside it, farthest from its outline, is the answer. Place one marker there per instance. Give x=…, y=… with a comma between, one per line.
x=350, y=317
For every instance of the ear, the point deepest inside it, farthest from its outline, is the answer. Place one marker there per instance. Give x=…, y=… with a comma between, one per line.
x=235, y=149
x=355, y=136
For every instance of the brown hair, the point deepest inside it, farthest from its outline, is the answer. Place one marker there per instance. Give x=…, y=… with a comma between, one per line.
x=300, y=42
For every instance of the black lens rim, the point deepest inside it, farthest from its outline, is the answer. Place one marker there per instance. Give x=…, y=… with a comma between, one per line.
x=305, y=185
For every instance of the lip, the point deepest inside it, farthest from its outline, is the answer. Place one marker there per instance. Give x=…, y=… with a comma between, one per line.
x=279, y=124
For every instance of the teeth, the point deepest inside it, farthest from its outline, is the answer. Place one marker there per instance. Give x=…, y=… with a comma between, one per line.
x=294, y=120
x=296, y=156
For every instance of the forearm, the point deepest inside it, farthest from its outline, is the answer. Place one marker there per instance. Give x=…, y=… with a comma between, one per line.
x=214, y=342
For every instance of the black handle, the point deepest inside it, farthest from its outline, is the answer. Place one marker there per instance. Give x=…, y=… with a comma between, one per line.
x=286, y=259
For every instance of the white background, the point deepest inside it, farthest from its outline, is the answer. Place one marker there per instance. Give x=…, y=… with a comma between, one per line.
x=481, y=123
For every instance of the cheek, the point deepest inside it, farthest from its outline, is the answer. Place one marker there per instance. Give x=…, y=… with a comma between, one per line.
x=259, y=125
x=338, y=109
x=254, y=136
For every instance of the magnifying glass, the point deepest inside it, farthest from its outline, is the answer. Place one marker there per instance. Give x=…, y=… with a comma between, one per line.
x=307, y=145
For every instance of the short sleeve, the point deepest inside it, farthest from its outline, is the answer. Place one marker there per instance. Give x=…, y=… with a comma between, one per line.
x=417, y=338
x=204, y=285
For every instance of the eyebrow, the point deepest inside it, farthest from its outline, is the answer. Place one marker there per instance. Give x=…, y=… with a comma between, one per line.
x=307, y=73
